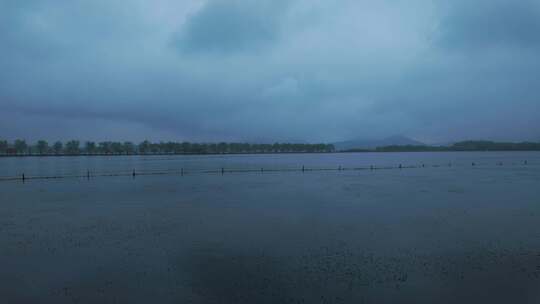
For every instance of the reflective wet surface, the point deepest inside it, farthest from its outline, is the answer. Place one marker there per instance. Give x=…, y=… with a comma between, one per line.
x=459, y=234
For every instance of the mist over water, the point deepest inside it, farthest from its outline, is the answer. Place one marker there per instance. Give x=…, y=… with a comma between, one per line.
x=459, y=234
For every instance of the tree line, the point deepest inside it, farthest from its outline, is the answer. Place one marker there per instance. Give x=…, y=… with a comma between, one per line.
x=469, y=145
x=20, y=147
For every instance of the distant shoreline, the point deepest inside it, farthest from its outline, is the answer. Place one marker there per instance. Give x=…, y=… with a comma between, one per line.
x=72, y=148
x=165, y=154
x=253, y=153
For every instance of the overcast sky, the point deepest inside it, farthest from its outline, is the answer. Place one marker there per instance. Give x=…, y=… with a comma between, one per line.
x=265, y=70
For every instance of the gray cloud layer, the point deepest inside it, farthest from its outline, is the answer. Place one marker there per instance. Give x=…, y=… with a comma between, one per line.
x=269, y=70
x=227, y=26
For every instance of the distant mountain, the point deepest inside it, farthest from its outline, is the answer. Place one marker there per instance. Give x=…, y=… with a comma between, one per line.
x=374, y=143
x=442, y=144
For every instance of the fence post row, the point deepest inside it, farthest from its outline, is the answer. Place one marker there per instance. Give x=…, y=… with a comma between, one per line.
x=134, y=173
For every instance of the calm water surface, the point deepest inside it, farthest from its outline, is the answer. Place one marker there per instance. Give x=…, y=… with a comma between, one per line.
x=458, y=234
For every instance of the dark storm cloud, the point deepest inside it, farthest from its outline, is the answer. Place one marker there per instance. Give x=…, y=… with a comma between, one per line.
x=228, y=26
x=269, y=70
x=481, y=72
x=491, y=23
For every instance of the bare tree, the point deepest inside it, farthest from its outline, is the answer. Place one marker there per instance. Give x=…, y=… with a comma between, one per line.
x=42, y=147
x=20, y=146
x=58, y=147
x=3, y=146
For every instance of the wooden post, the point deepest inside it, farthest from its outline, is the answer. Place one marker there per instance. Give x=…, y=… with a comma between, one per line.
x=473, y=164
x=222, y=171
x=88, y=174
x=525, y=162
x=262, y=170
x=400, y=166
x=23, y=178
x=303, y=168
x=339, y=168
x=133, y=174
x=371, y=167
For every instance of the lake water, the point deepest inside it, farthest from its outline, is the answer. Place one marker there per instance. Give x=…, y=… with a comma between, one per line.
x=444, y=234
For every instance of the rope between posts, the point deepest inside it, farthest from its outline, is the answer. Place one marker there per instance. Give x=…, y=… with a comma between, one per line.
x=222, y=171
